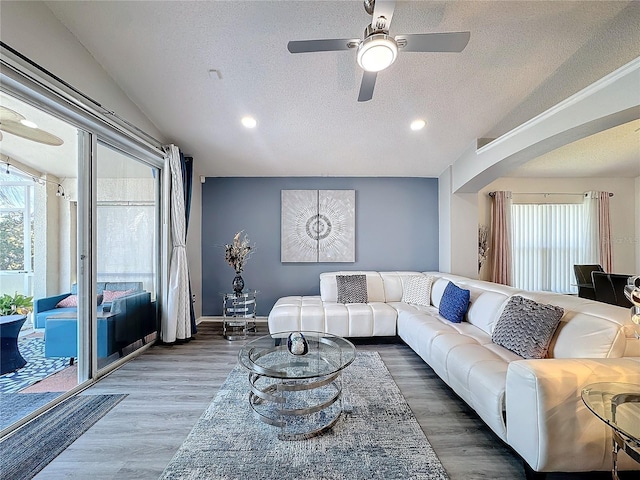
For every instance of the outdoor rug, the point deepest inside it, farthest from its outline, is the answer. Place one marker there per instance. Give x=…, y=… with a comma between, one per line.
x=379, y=438
x=31, y=448
x=37, y=367
x=14, y=406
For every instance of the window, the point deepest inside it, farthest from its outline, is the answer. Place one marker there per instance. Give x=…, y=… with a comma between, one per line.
x=16, y=233
x=547, y=240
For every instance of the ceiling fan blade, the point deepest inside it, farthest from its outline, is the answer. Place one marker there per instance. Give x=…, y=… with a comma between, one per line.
x=383, y=8
x=8, y=115
x=328, y=45
x=434, y=42
x=10, y=123
x=366, y=87
x=33, y=134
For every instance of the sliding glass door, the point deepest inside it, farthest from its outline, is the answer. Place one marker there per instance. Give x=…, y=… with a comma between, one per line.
x=127, y=236
x=80, y=231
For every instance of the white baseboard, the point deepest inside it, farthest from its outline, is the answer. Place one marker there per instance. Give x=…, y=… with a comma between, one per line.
x=219, y=319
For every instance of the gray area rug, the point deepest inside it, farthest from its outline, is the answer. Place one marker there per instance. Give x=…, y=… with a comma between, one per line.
x=379, y=437
x=31, y=448
x=14, y=406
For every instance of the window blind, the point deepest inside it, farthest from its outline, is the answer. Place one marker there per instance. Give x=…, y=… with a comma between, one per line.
x=547, y=240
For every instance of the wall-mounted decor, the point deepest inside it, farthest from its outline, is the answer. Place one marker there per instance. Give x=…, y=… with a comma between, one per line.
x=318, y=226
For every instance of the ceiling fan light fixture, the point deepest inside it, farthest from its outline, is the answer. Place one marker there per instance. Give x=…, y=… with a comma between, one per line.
x=377, y=52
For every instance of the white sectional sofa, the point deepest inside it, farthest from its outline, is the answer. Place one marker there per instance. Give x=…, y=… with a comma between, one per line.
x=534, y=405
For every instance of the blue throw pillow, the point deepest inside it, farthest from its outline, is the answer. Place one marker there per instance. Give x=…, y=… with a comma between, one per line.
x=454, y=303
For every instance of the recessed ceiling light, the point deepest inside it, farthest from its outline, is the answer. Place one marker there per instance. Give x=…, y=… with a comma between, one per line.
x=249, y=122
x=417, y=124
x=28, y=123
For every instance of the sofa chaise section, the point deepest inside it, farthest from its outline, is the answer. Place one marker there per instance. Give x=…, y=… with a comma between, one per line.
x=323, y=313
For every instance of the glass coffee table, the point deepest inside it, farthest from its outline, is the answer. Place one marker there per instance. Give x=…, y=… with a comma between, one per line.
x=618, y=405
x=300, y=394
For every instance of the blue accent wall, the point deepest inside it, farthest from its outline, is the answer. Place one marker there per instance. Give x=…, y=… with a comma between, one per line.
x=396, y=229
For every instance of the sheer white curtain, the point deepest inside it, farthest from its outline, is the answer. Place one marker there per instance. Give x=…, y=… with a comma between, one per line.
x=176, y=324
x=598, y=230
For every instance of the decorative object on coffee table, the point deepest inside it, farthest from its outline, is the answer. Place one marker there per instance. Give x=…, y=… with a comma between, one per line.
x=236, y=254
x=297, y=344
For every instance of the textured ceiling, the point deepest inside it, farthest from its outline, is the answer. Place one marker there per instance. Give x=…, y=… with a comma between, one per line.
x=613, y=153
x=523, y=57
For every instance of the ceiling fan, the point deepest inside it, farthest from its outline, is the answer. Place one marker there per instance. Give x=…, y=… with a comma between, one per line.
x=378, y=50
x=16, y=124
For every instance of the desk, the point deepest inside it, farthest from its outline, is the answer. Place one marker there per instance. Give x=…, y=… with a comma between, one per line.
x=618, y=405
x=10, y=358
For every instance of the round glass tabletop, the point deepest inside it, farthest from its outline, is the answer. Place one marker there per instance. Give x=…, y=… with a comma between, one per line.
x=269, y=356
x=617, y=404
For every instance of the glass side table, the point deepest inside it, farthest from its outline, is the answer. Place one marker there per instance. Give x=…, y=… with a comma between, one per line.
x=239, y=314
x=618, y=405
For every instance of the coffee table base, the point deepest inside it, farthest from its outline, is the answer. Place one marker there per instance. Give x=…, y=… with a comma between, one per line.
x=301, y=408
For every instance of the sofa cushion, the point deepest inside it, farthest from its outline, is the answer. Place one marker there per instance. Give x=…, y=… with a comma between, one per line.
x=437, y=290
x=68, y=302
x=454, y=303
x=110, y=295
x=485, y=309
x=526, y=327
x=352, y=288
x=417, y=290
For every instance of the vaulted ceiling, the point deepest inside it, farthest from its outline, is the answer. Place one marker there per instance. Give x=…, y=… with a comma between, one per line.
x=196, y=68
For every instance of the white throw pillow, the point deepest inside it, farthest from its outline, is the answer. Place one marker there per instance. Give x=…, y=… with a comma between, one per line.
x=417, y=290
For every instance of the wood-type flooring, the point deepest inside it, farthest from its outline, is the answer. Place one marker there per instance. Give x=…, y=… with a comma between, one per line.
x=169, y=387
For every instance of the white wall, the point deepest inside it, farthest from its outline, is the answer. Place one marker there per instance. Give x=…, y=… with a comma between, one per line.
x=623, y=205
x=637, y=219
x=444, y=221
x=457, y=229
x=33, y=30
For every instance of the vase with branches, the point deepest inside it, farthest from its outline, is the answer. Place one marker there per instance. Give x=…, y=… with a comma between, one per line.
x=236, y=255
x=483, y=245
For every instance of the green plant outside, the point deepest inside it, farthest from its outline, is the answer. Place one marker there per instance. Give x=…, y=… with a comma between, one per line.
x=16, y=304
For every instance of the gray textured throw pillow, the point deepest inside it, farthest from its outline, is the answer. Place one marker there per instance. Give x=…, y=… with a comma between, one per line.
x=352, y=288
x=526, y=327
